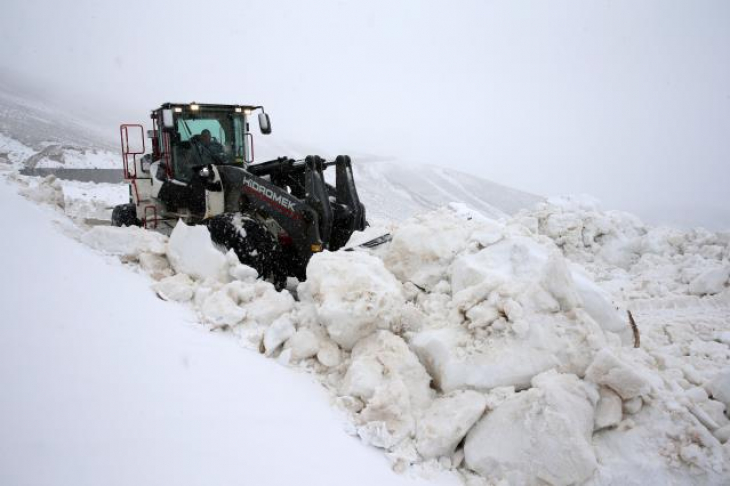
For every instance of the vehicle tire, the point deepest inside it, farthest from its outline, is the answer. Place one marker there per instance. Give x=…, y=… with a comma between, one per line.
x=254, y=245
x=125, y=215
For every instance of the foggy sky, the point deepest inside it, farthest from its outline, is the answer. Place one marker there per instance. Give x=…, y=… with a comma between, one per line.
x=625, y=100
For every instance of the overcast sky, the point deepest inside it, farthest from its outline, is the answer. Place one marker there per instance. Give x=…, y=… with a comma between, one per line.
x=625, y=100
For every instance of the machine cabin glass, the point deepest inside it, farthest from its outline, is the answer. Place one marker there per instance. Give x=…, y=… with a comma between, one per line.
x=206, y=137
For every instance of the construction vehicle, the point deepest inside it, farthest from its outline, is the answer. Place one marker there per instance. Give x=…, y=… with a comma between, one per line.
x=275, y=215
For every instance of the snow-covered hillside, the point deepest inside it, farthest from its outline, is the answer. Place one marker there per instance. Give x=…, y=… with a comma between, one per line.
x=37, y=125
x=39, y=137
x=491, y=340
x=34, y=136
x=396, y=191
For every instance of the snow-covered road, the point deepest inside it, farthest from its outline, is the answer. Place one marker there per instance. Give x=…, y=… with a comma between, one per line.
x=103, y=383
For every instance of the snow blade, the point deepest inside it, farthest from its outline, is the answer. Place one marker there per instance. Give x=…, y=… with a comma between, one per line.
x=380, y=240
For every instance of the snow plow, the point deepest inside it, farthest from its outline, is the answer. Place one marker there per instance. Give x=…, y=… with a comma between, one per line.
x=275, y=215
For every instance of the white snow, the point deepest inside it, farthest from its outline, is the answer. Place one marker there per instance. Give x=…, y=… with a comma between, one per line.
x=12, y=152
x=392, y=384
x=446, y=421
x=353, y=295
x=49, y=190
x=621, y=375
x=719, y=387
x=496, y=349
x=710, y=281
x=191, y=251
x=303, y=344
x=421, y=248
x=178, y=287
x=104, y=383
x=128, y=241
x=78, y=158
x=87, y=200
x=608, y=409
x=278, y=332
x=539, y=435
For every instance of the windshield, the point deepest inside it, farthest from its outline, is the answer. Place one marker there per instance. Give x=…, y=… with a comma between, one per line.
x=195, y=126
x=207, y=138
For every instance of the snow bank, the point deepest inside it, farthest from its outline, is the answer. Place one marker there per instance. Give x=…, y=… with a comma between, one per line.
x=87, y=200
x=128, y=242
x=495, y=347
x=48, y=191
x=622, y=253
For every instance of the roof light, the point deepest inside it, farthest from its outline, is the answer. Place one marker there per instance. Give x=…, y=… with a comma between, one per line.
x=194, y=106
x=238, y=109
x=247, y=111
x=178, y=109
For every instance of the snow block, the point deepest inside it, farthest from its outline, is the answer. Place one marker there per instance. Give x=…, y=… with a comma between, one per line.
x=447, y=421
x=423, y=248
x=722, y=434
x=329, y=353
x=277, y=333
x=597, y=303
x=263, y=304
x=621, y=376
x=220, y=309
x=558, y=281
x=386, y=375
x=179, y=288
x=719, y=387
x=155, y=265
x=353, y=293
x=515, y=259
x=190, y=250
x=512, y=363
x=303, y=344
x=710, y=282
x=608, y=410
x=542, y=435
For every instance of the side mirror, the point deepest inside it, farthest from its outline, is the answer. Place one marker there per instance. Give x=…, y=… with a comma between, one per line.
x=264, y=123
x=167, y=119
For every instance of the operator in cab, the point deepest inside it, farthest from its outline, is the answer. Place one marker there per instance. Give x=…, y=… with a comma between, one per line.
x=210, y=150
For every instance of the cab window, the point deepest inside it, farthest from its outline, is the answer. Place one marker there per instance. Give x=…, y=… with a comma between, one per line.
x=191, y=127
